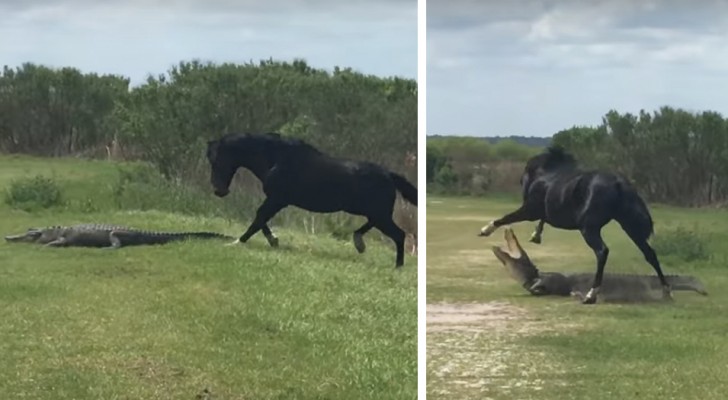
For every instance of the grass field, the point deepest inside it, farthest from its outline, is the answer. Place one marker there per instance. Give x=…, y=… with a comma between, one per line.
x=310, y=320
x=488, y=339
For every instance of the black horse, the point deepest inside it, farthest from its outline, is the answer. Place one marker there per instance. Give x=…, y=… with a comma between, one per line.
x=556, y=192
x=295, y=173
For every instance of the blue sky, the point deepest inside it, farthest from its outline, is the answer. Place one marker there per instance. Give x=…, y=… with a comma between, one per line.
x=137, y=37
x=528, y=67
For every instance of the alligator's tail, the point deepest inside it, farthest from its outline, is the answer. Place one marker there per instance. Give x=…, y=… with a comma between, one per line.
x=684, y=282
x=408, y=191
x=198, y=235
x=676, y=282
x=131, y=238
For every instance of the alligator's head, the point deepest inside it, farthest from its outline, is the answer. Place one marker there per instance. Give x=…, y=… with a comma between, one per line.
x=515, y=260
x=35, y=235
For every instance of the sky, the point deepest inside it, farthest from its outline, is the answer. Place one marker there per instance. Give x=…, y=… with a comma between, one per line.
x=533, y=68
x=137, y=37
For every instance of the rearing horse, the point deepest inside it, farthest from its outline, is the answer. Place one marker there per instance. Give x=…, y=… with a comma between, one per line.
x=556, y=192
x=295, y=173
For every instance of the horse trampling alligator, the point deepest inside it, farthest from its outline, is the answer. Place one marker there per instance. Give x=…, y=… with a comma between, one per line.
x=557, y=192
x=106, y=236
x=615, y=287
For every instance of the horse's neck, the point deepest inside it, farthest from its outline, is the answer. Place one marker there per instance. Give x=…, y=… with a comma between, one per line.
x=564, y=169
x=259, y=170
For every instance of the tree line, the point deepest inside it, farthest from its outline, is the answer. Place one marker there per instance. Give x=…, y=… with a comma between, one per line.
x=168, y=119
x=474, y=166
x=672, y=156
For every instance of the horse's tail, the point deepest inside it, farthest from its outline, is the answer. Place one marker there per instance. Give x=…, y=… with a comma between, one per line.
x=408, y=191
x=633, y=214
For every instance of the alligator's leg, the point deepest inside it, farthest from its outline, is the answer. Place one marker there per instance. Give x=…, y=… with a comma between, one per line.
x=536, y=236
x=579, y=295
x=593, y=237
x=114, y=240
x=265, y=212
x=537, y=289
x=358, y=236
x=524, y=213
x=60, y=242
x=272, y=238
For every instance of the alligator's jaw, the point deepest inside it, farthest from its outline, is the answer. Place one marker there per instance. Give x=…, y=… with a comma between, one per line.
x=15, y=238
x=30, y=236
x=515, y=259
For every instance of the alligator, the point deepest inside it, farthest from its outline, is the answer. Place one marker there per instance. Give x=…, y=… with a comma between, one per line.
x=616, y=288
x=105, y=236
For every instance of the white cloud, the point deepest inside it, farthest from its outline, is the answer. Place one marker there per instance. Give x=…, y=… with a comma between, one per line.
x=536, y=67
x=136, y=37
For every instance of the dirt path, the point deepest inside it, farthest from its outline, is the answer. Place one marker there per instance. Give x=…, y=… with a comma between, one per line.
x=473, y=351
x=473, y=317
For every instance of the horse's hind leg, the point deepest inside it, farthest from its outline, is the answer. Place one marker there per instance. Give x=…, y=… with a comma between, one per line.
x=651, y=258
x=522, y=214
x=593, y=238
x=389, y=228
x=272, y=238
x=358, y=236
x=536, y=236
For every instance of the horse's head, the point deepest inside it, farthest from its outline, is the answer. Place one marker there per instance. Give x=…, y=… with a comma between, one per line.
x=231, y=152
x=550, y=160
x=222, y=167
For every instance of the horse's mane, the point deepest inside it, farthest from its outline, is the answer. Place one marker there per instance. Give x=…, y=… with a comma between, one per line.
x=273, y=139
x=557, y=157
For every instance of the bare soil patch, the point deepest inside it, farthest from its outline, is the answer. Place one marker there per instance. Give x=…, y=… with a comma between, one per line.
x=474, y=351
x=443, y=317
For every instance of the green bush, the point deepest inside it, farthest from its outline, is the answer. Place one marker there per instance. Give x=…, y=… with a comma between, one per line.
x=35, y=193
x=446, y=178
x=142, y=187
x=681, y=243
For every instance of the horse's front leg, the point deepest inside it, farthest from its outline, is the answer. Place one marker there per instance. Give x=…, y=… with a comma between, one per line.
x=265, y=212
x=536, y=236
x=524, y=213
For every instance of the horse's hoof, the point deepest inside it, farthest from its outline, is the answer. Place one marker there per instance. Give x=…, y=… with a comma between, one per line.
x=591, y=296
x=237, y=241
x=359, y=243
x=535, y=239
x=589, y=300
x=273, y=242
x=487, y=230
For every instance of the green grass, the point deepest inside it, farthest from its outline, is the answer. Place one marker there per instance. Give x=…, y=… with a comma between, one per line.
x=556, y=348
x=312, y=319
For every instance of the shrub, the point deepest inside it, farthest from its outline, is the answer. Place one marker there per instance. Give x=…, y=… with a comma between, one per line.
x=681, y=243
x=35, y=193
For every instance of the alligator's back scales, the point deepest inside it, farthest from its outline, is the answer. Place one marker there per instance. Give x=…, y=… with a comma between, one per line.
x=103, y=235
